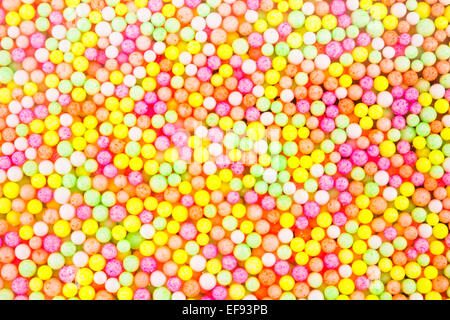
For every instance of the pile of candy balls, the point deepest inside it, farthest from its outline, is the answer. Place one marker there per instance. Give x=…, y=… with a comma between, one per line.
x=224, y=149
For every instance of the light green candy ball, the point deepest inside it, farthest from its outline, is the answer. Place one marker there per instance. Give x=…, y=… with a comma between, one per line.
x=126, y=279
x=103, y=234
x=253, y=240
x=27, y=268
x=240, y=46
x=68, y=249
x=92, y=197
x=425, y=27
x=56, y=261
x=331, y=293
x=131, y=263
x=192, y=248
x=123, y=246
x=229, y=223
x=351, y=227
x=296, y=19
x=6, y=75
x=242, y=252
x=224, y=277
x=161, y=293
x=252, y=284
x=6, y=294
x=36, y=296
x=5, y=58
